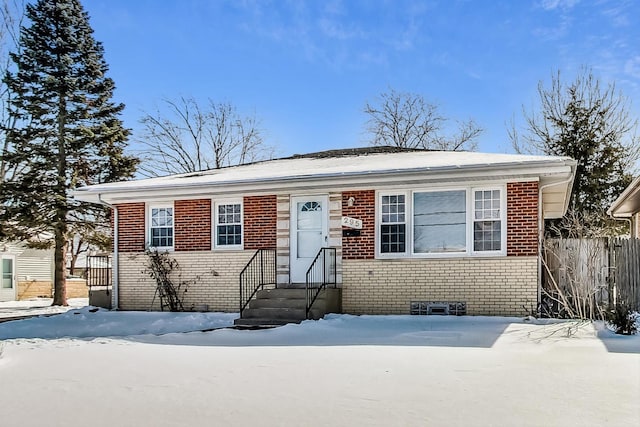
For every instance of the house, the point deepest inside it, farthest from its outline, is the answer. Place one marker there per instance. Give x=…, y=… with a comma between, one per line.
x=398, y=231
x=627, y=206
x=26, y=272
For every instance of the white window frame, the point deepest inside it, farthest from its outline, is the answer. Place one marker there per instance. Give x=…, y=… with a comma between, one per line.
x=379, y=223
x=502, y=219
x=214, y=229
x=470, y=213
x=160, y=205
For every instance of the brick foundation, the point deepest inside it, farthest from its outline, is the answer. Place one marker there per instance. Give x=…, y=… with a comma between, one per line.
x=212, y=277
x=490, y=286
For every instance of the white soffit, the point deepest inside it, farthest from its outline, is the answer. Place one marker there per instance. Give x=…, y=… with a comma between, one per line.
x=628, y=203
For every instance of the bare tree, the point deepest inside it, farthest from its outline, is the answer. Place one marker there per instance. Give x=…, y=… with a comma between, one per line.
x=188, y=137
x=407, y=120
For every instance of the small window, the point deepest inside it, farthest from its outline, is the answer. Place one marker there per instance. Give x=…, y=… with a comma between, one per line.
x=161, y=227
x=393, y=228
x=487, y=220
x=228, y=224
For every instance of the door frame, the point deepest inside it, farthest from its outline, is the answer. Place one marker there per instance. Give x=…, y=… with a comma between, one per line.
x=14, y=282
x=295, y=275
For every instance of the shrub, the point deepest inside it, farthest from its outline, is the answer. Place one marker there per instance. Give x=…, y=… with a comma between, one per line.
x=623, y=320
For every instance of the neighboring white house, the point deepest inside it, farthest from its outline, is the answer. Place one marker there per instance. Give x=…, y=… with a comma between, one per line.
x=26, y=272
x=627, y=206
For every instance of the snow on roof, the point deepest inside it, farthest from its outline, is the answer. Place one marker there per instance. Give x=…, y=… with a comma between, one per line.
x=334, y=163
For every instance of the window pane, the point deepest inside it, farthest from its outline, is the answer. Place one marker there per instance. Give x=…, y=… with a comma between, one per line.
x=161, y=230
x=487, y=236
x=439, y=221
x=392, y=209
x=392, y=238
x=487, y=227
x=229, y=228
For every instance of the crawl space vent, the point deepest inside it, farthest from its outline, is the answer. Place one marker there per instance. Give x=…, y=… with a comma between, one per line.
x=442, y=308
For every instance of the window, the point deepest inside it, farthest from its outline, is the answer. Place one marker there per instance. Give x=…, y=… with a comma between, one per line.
x=487, y=220
x=448, y=222
x=228, y=220
x=161, y=227
x=440, y=221
x=393, y=228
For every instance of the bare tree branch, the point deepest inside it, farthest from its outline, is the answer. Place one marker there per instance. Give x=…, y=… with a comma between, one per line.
x=188, y=137
x=407, y=120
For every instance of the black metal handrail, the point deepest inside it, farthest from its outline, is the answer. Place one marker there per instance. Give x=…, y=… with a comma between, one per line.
x=321, y=273
x=259, y=271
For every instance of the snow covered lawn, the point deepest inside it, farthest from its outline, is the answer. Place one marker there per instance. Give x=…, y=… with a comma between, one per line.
x=101, y=368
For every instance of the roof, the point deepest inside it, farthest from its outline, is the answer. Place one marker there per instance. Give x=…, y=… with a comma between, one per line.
x=372, y=167
x=628, y=203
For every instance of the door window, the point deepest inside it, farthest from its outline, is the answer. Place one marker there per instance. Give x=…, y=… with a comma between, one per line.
x=7, y=273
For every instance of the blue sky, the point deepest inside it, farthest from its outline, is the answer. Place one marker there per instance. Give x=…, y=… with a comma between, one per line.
x=306, y=68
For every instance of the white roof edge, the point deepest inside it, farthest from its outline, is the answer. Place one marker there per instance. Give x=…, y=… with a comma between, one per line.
x=631, y=189
x=103, y=189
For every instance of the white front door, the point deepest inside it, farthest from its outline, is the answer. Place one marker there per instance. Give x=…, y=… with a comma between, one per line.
x=7, y=278
x=309, y=233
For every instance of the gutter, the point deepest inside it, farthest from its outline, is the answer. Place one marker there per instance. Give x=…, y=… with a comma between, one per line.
x=115, y=275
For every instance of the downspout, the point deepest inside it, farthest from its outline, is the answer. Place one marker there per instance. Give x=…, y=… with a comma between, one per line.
x=541, y=232
x=114, y=286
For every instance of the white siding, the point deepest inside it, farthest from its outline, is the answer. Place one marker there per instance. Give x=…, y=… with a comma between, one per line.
x=35, y=264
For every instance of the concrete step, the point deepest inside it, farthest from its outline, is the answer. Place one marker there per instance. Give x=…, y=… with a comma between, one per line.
x=278, y=303
x=280, y=306
x=263, y=323
x=282, y=293
x=274, y=313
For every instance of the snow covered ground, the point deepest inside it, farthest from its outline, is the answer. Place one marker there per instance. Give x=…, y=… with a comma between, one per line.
x=100, y=368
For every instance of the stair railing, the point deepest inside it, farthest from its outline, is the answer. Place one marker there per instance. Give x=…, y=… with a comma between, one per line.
x=259, y=271
x=320, y=274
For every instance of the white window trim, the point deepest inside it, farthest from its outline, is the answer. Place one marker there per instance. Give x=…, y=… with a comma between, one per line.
x=214, y=221
x=407, y=223
x=469, y=252
x=159, y=205
x=503, y=219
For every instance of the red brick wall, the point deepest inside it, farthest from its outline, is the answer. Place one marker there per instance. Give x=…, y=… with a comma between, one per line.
x=131, y=227
x=260, y=222
x=364, y=208
x=522, y=218
x=192, y=225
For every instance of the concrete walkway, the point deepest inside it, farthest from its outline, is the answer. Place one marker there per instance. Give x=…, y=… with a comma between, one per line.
x=15, y=310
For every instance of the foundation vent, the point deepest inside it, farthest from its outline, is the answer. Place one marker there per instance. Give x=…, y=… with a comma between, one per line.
x=442, y=308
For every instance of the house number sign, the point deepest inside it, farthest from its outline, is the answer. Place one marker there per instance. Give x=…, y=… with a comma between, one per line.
x=352, y=222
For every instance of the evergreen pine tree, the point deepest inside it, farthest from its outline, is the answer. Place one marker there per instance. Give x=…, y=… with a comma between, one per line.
x=68, y=132
x=592, y=125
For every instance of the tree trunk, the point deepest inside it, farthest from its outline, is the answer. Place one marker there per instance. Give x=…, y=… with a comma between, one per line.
x=60, y=264
x=60, y=255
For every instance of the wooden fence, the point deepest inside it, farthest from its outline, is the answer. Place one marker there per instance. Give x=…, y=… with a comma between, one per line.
x=626, y=271
x=591, y=275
